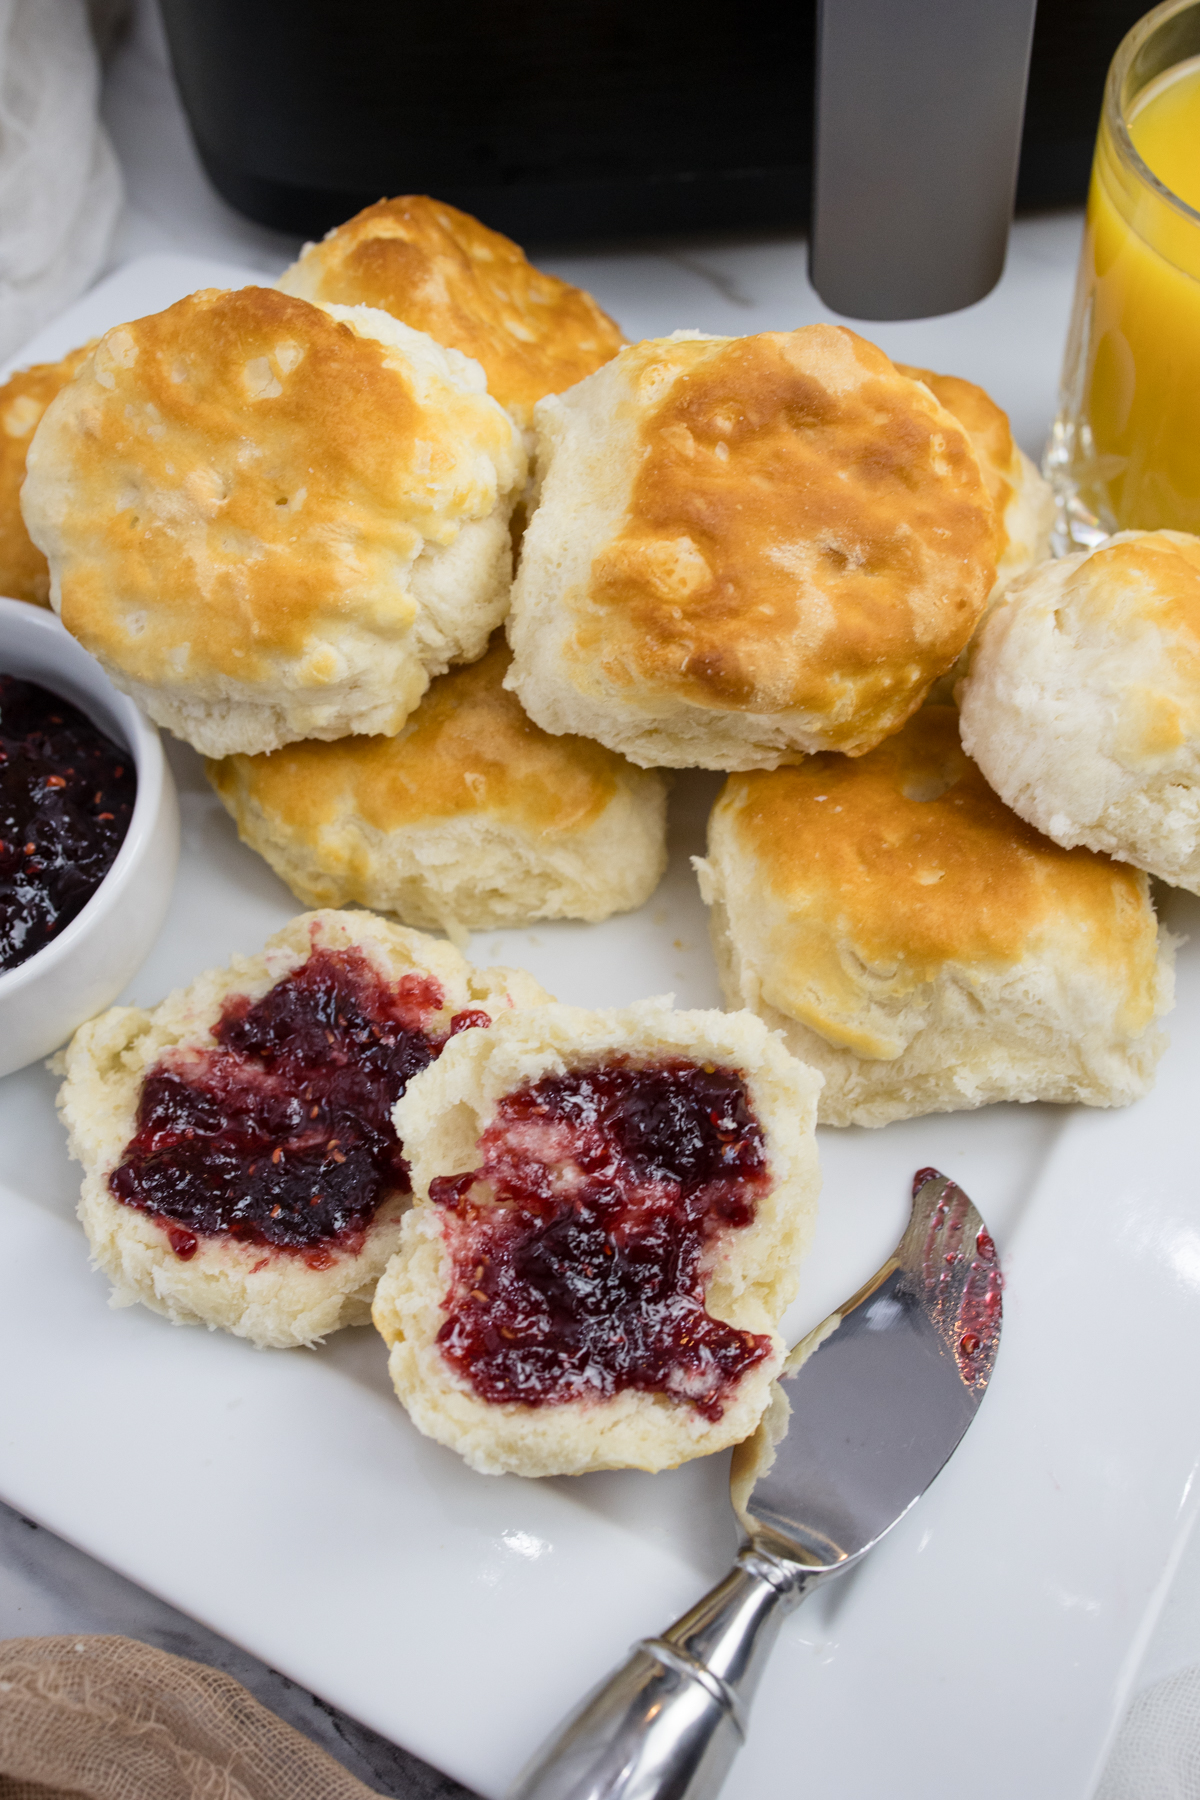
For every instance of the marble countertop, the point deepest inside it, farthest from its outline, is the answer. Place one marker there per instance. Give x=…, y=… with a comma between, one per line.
x=1011, y=343
x=50, y=1589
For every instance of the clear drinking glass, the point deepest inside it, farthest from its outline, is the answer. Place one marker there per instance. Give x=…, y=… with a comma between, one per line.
x=1125, y=449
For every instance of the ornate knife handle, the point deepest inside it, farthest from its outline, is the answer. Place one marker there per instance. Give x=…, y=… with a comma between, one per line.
x=668, y=1724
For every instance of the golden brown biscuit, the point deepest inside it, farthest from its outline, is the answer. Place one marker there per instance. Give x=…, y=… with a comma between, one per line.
x=1082, y=707
x=238, y=1165
x=746, y=548
x=611, y=1209
x=443, y=272
x=1023, y=501
x=24, y=397
x=921, y=945
x=269, y=520
x=469, y=818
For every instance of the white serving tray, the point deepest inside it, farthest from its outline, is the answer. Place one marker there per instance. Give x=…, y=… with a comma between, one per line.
x=284, y=1499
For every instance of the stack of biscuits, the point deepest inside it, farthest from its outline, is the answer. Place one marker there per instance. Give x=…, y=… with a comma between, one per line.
x=286, y=520
x=283, y=519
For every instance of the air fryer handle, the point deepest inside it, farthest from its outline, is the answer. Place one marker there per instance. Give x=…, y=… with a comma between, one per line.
x=919, y=108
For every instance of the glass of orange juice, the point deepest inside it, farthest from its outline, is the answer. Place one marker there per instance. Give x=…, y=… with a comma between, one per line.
x=1125, y=450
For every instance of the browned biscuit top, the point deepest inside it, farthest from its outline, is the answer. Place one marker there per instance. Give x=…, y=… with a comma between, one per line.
x=808, y=529
x=1145, y=579
x=241, y=477
x=1137, y=600
x=468, y=749
x=985, y=423
x=443, y=272
x=878, y=871
x=24, y=397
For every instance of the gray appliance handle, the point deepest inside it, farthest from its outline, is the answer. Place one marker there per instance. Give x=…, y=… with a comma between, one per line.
x=919, y=109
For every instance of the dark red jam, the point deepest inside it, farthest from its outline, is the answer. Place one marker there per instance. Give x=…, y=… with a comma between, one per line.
x=579, y=1266
x=66, y=799
x=963, y=1281
x=282, y=1136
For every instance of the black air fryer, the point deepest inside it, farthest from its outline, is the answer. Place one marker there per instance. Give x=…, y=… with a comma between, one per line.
x=560, y=119
x=588, y=119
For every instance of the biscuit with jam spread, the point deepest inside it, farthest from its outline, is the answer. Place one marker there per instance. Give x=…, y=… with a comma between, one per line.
x=443, y=272
x=746, y=549
x=469, y=819
x=921, y=945
x=240, y=1164
x=611, y=1212
x=272, y=521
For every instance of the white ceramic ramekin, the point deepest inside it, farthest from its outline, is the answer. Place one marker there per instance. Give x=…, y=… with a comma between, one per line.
x=82, y=971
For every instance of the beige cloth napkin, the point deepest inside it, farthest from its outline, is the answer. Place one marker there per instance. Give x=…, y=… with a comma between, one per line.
x=105, y=1718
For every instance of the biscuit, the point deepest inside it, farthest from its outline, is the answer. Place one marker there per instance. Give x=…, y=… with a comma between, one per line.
x=745, y=549
x=922, y=946
x=24, y=397
x=1082, y=707
x=611, y=1209
x=443, y=272
x=203, y=1124
x=469, y=819
x=270, y=520
x=1023, y=501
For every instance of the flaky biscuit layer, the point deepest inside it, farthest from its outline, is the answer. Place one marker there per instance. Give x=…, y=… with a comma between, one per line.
x=924, y=947
x=1082, y=706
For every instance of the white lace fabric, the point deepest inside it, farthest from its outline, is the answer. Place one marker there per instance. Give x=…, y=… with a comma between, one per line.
x=60, y=185
x=1157, y=1754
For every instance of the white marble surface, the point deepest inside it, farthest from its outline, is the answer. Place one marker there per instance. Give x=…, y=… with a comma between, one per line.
x=50, y=1589
x=1010, y=343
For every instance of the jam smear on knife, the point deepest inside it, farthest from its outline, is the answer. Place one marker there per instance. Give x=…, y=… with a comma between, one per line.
x=580, y=1270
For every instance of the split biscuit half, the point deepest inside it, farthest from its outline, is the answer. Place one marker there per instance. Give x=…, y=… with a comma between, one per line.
x=240, y=1165
x=611, y=1212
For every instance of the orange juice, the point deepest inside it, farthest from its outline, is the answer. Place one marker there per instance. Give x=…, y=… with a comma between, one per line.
x=1136, y=452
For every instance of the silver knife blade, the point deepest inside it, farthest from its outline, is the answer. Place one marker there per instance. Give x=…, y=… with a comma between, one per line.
x=872, y=1403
